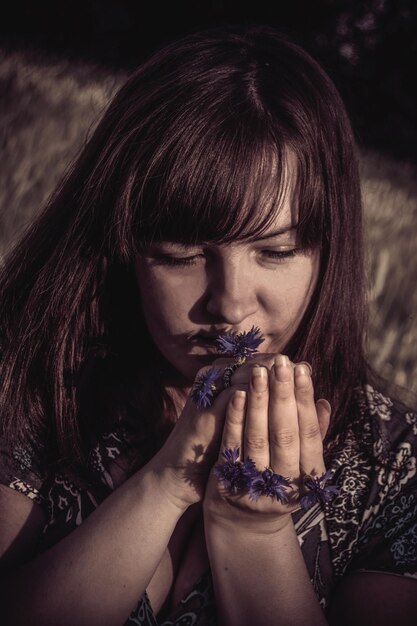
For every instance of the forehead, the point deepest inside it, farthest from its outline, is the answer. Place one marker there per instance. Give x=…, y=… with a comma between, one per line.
x=275, y=205
x=283, y=224
x=223, y=204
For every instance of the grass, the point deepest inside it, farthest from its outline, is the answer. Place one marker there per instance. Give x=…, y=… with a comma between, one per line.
x=49, y=109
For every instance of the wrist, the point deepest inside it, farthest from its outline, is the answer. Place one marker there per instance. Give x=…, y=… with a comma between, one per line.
x=228, y=519
x=170, y=486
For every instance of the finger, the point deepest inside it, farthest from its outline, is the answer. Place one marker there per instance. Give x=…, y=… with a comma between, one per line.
x=256, y=439
x=207, y=421
x=283, y=419
x=260, y=358
x=311, y=444
x=324, y=411
x=306, y=364
x=241, y=377
x=234, y=423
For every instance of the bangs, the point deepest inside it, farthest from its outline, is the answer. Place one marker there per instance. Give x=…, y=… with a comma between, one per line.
x=215, y=186
x=216, y=164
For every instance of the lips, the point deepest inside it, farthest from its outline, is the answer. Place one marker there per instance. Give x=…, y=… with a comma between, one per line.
x=208, y=338
x=214, y=335
x=207, y=342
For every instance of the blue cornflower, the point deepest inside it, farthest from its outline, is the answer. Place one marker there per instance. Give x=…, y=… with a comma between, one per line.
x=235, y=475
x=241, y=345
x=267, y=483
x=317, y=490
x=204, y=387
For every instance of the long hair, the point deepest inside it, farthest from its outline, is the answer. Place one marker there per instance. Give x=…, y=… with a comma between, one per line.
x=183, y=153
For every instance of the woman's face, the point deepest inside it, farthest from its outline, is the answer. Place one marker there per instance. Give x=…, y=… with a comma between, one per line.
x=192, y=294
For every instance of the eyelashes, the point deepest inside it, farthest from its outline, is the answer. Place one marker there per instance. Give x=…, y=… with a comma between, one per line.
x=173, y=261
x=177, y=261
x=280, y=254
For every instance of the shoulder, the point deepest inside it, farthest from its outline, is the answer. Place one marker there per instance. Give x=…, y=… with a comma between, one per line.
x=387, y=530
x=23, y=503
x=393, y=430
x=384, y=430
x=372, y=523
x=21, y=526
x=21, y=470
x=388, y=415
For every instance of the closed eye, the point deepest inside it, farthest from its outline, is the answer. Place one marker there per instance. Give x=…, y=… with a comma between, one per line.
x=280, y=255
x=174, y=261
x=166, y=259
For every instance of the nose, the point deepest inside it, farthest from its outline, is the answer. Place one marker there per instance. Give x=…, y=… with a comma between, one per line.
x=232, y=292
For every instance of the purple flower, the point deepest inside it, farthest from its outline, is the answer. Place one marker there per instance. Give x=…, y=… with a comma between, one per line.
x=249, y=470
x=204, y=387
x=242, y=345
x=269, y=484
x=318, y=492
x=235, y=475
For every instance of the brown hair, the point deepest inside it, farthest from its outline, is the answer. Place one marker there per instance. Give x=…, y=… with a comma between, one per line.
x=171, y=159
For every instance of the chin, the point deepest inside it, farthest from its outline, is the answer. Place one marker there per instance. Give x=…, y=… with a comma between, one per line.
x=195, y=362
x=202, y=360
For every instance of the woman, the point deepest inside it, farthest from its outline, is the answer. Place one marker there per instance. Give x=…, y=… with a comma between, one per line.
x=219, y=194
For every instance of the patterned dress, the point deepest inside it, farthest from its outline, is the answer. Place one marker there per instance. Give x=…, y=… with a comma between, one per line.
x=371, y=525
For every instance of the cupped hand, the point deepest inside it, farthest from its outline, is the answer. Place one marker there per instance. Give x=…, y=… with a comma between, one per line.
x=241, y=377
x=186, y=458
x=277, y=423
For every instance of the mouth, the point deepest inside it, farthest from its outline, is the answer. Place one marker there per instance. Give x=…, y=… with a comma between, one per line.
x=214, y=334
x=207, y=342
x=210, y=339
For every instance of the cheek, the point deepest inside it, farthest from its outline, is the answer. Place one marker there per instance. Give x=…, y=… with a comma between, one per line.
x=156, y=301
x=307, y=279
x=166, y=301
x=296, y=289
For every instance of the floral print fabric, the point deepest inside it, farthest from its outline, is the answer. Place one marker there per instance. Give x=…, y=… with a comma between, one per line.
x=371, y=525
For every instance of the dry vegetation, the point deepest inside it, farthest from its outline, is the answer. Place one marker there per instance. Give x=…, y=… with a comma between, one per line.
x=48, y=109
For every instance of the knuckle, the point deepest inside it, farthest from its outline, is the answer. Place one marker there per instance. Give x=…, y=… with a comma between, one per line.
x=311, y=431
x=231, y=444
x=284, y=390
x=235, y=418
x=284, y=438
x=256, y=442
x=258, y=398
x=305, y=394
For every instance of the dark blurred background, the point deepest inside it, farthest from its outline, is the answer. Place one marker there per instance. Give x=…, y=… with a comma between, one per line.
x=368, y=47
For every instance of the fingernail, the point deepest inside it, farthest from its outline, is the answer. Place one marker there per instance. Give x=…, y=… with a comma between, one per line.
x=238, y=400
x=302, y=369
x=325, y=403
x=307, y=365
x=259, y=378
x=281, y=360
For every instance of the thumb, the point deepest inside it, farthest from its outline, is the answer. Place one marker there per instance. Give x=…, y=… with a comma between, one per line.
x=324, y=410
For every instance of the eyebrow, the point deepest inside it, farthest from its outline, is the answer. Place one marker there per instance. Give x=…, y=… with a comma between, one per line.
x=275, y=233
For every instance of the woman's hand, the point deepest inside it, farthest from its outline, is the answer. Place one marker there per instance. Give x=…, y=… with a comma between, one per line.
x=278, y=425
x=186, y=458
